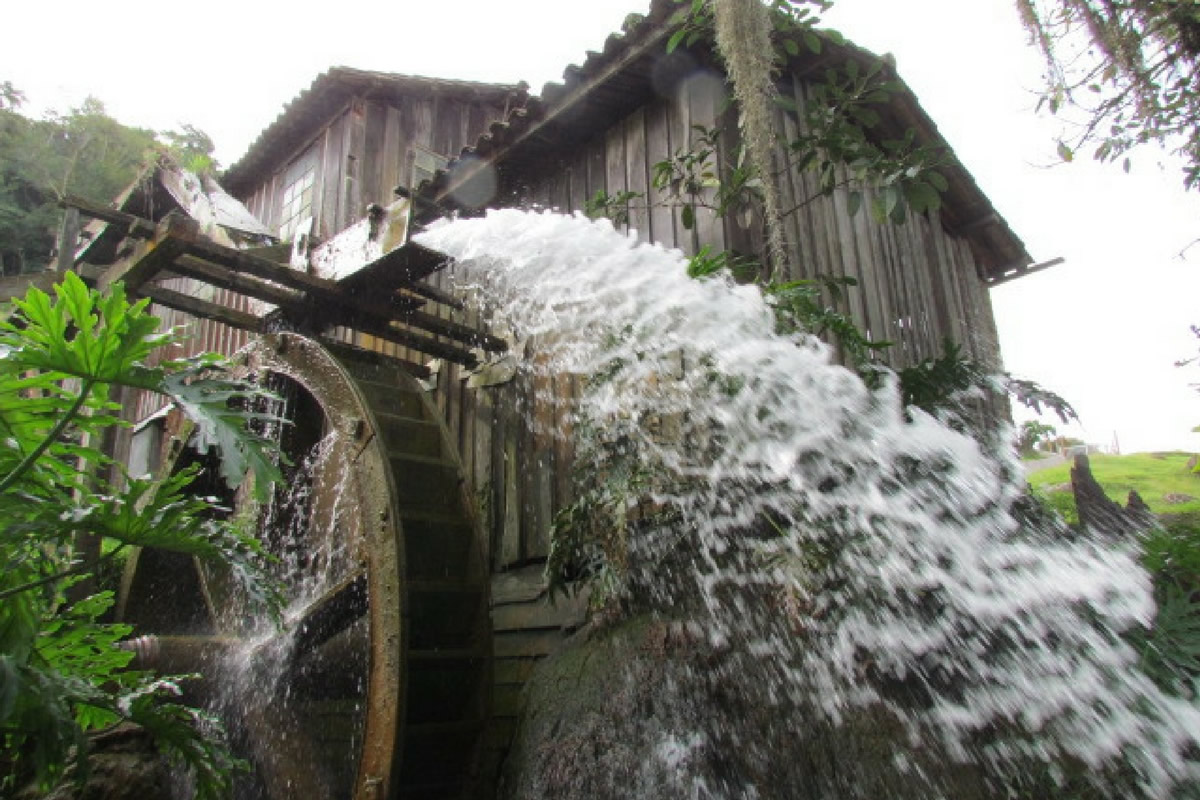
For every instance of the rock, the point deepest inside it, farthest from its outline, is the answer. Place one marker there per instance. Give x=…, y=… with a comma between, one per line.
x=124, y=765
x=1177, y=498
x=643, y=709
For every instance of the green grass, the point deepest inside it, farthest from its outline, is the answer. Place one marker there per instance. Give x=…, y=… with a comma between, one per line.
x=1152, y=475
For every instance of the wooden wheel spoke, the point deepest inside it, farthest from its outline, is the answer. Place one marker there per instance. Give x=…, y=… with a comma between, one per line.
x=334, y=611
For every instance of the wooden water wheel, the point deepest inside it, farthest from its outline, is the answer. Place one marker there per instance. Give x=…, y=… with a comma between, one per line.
x=383, y=682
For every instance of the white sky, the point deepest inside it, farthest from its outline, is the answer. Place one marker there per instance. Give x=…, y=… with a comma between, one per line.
x=1103, y=330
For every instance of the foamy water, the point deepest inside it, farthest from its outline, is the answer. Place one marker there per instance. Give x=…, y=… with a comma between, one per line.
x=888, y=543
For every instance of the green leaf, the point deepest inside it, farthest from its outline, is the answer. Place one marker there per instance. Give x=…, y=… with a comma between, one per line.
x=687, y=215
x=921, y=197
x=791, y=47
x=854, y=202
x=676, y=38
x=813, y=42
x=223, y=409
x=1065, y=152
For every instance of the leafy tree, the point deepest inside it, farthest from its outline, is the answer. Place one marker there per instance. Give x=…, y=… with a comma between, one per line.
x=61, y=674
x=1032, y=433
x=1132, y=67
x=84, y=152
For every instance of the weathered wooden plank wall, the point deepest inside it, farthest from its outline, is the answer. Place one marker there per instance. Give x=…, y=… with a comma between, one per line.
x=917, y=286
x=366, y=151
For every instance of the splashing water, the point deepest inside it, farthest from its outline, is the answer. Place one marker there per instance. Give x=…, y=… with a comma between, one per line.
x=842, y=556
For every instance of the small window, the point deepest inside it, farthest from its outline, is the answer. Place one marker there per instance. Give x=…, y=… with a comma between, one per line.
x=425, y=163
x=296, y=203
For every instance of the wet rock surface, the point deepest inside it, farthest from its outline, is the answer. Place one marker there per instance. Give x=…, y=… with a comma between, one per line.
x=643, y=709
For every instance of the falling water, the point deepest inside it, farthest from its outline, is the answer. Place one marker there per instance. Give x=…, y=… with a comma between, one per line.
x=839, y=555
x=279, y=701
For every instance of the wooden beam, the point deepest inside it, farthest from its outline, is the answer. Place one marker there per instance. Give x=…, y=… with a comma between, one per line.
x=134, y=226
x=433, y=293
x=337, y=313
x=457, y=331
x=201, y=308
x=383, y=329
x=192, y=267
x=151, y=255
x=322, y=290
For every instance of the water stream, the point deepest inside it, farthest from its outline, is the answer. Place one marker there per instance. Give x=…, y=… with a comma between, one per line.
x=836, y=554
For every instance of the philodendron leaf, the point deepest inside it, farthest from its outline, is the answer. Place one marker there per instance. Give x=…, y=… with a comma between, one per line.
x=223, y=410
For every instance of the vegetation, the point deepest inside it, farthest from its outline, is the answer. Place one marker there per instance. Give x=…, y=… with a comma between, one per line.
x=1033, y=436
x=61, y=674
x=1130, y=68
x=1164, y=481
x=84, y=152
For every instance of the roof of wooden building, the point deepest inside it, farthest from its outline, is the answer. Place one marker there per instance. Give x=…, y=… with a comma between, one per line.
x=329, y=94
x=613, y=82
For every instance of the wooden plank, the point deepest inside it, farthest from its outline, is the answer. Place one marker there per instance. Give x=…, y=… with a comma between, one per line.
x=658, y=148
x=614, y=164
x=532, y=545
x=564, y=612
x=393, y=153
x=704, y=100
x=200, y=308
x=331, y=178
x=596, y=166
x=521, y=585
x=565, y=393
x=355, y=207
x=542, y=465
x=484, y=477
x=373, y=156
x=868, y=274
x=636, y=172
x=510, y=547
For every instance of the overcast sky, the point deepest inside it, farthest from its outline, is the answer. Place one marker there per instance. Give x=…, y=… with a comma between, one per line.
x=1103, y=329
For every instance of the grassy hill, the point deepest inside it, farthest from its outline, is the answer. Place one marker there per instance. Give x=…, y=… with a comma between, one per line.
x=1162, y=479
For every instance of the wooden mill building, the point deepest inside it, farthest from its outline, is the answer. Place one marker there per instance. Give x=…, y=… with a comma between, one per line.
x=333, y=185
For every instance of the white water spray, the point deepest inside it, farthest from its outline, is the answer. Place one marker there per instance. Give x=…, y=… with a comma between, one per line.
x=906, y=583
